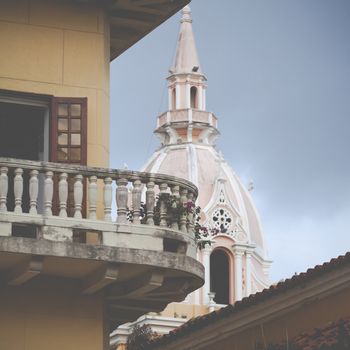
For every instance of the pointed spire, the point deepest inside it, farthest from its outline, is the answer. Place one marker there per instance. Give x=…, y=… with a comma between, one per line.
x=186, y=59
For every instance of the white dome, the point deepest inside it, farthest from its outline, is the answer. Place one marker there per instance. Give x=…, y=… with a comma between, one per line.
x=219, y=188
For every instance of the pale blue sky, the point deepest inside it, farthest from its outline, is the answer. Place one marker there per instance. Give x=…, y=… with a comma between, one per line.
x=279, y=81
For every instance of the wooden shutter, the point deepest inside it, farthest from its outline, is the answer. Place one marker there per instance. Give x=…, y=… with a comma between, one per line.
x=69, y=130
x=68, y=141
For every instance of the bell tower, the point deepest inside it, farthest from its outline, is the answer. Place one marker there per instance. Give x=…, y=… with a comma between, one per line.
x=187, y=119
x=186, y=83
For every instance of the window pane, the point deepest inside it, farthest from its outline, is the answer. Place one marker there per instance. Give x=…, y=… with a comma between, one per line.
x=75, y=124
x=62, y=139
x=62, y=124
x=75, y=139
x=75, y=154
x=63, y=109
x=62, y=154
x=75, y=110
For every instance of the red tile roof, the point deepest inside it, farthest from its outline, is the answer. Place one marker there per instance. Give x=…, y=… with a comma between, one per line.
x=334, y=336
x=254, y=299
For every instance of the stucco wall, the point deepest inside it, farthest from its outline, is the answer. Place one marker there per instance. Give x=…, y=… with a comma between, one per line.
x=49, y=314
x=62, y=49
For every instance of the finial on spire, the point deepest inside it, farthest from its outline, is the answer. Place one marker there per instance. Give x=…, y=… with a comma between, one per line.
x=186, y=14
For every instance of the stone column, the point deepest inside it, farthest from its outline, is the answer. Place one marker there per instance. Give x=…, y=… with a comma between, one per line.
x=204, y=107
x=170, y=98
x=188, y=95
x=178, y=92
x=238, y=253
x=200, y=97
x=248, y=273
x=206, y=262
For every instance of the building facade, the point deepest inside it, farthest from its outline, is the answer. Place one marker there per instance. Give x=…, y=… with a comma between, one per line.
x=69, y=273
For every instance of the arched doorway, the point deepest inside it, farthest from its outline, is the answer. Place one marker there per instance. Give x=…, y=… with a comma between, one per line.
x=219, y=276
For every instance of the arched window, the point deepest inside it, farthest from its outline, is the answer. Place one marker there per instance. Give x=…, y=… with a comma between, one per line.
x=194, y=97
x=173, y=99
x=219, y=276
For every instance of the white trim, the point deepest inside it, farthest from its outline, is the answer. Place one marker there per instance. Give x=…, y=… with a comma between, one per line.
x=153, y=157
x=234, y=180
x=204, y=103
x=188, y=95
x=158, y=162
x=192, y=163
x=159, y=324
x=177, y=92
x=190, y=115
x=170, y=97
x=189, y=133
x=200, y=97
x=168, y=117
x=257, y=278
x=20, y=100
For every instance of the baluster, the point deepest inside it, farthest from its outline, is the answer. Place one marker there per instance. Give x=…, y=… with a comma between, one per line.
x=163, y=207
x=92, y=197
x=33, y=191
x=78, y=196
x=136, y=201
x=183, y=217
x=63, y=194
x=48, y=193
x=175, y=190
x=107, y=198
x=150, y=200
x=122, y=200
x=18, y=190
x=190, y=215
x=3, y=189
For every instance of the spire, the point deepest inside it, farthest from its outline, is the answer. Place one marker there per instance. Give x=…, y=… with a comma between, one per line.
x=186, y=58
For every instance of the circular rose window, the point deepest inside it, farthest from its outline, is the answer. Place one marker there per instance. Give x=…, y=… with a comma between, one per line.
x=222, y=220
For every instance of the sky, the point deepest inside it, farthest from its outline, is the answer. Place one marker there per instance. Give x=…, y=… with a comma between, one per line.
x=279, y=82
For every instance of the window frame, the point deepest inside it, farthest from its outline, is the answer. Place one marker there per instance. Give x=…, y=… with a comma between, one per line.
x=55, y=131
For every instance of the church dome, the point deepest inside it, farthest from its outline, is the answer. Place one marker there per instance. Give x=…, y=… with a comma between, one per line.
x=187, y=132
x=225, y=202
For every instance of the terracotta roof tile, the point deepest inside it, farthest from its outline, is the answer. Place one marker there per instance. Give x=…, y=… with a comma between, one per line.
x=334, y=336
x=254, y=299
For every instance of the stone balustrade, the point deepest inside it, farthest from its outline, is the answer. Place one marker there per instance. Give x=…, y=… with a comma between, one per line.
x=81, y=198
x=187, y=115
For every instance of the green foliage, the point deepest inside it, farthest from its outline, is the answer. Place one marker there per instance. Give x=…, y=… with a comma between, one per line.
x=140, y=337
x=176, y=210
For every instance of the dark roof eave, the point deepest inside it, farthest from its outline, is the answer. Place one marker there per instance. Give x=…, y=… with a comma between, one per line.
x=130, y=24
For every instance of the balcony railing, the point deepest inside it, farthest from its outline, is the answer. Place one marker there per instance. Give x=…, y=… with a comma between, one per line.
x=79, y=199
x=187, y=115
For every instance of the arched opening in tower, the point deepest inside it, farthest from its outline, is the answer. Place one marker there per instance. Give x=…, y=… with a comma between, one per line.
x=219, y=276
x=194, y=97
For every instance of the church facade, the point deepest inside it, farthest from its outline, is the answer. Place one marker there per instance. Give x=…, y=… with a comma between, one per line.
x=236, y=263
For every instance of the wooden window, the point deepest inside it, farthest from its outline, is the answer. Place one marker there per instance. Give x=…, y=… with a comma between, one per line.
x=69, y=130
x=68, y=141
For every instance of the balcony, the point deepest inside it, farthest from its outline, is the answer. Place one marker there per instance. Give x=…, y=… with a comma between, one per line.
x=189, y=115
x=62, y=220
